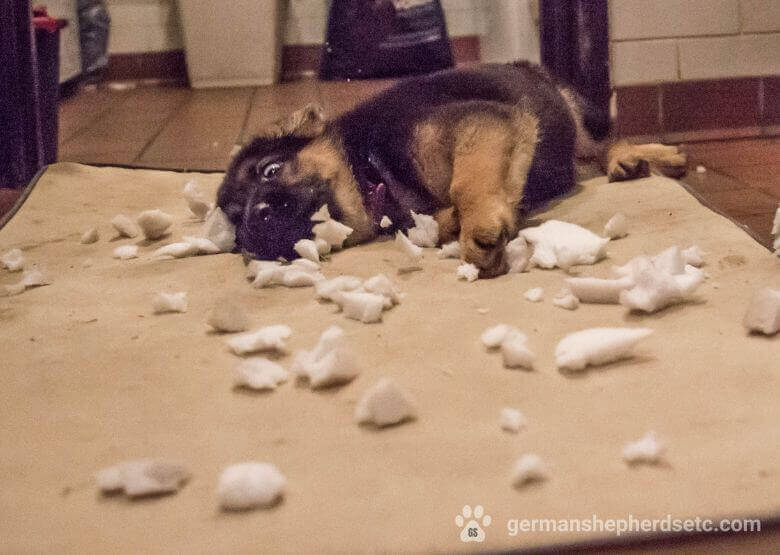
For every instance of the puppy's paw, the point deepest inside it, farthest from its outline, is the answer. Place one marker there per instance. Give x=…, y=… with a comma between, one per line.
x=627, y=167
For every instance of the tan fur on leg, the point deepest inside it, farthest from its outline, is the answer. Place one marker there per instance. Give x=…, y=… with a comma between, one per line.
x=627, y=161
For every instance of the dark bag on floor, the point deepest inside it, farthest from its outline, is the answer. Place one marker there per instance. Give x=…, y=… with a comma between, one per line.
x=384, y=38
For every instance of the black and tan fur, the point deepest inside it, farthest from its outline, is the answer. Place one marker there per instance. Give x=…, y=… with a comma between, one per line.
x=477, y=148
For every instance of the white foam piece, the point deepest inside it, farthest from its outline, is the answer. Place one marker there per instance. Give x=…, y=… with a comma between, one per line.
x=366, y=307
x=259, y=373
x=154, y=223
x=321, y=215
x=255, y=266
x=450, y=250
x=518, y=255
x=332, y=232
x=763, y=313
x=616, y=227
x=169, y=302
x=694, y=256
x=701, y=169
x=30, y=278
x=528, y=468
x=330, y=363
x=412, y=251
x=294, y=277
x=384, y=404
x=268, y=338
x=125, y=252
x=305, y=265
x=492, y=337
x=326, y=289
x=90, y=236
x=270, y=275
x=307, y=249
x=654, y=289
x=380, y=284
x=515, y=352
x=425, y=232
x=512, y=420
x=596, y=346
x=143, y=477
x=554, y=237
x=467, y=272
x=647, y=450
x=323, y=247
x=669, y=260
x=228, y=316
x=534, y=295
x=176, y=250
x=250, y=485
x=13, y=260
x=597, y=290
x=204, y=245
x=566, y=299
x=219, y=230
x=385, y=222
x=125, y=226
x=196, y=201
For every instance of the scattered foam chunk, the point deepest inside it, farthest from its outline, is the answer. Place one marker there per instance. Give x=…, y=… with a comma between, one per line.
x=515, y=352
x=250, y=485
x=527, y=469
x=228, y=316
x=483, y=310
x=412, y=251
x=554, y=238
x=196, y=201
x=202, y=244
x=126, y=252
x=90, y=236
x=307, y=249
x=450, y=250
x=321, y=215
x=669, y=260
x=323, y=247
x=493, y=337
x=596, y=290
x=384, y=404
x=305, y=265
x=142, y=478
x=380, y=284
x=125, y=226
x=763, y=313
x=512, y=420
x=176, y=250
x=655, y=289
x=268, y=338
x=154, y=223
x=170, y=302
x=299, y=274
x=385, y=222
x=259, y=373
x=30, y=279
x=330, y=363
x=534, y=295
x=518, y=255
x=616, y=227
x=701, y=169
x=467, y=272
x=295, y=277
x=596, y=346
x=13, y=260
x=425, y=232
x=332, y=232
x=566, y=299
x=326, y=289
x=647, y=450
x=219, y=230
x=693, y=255
x=366, y=307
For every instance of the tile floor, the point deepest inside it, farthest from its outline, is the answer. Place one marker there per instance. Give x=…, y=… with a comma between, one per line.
x=179, y=128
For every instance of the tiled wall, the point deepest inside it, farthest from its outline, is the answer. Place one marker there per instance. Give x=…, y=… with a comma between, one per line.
x=655, y=41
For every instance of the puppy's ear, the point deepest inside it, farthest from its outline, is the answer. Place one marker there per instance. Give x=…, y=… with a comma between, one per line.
x=309, y=121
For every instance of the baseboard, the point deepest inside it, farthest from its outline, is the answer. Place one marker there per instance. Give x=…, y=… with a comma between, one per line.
x=168, y=66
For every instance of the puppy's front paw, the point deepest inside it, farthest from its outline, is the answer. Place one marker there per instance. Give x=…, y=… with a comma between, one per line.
x=484, y=246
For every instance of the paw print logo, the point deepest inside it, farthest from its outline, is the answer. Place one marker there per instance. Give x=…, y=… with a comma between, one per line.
x=469, y=522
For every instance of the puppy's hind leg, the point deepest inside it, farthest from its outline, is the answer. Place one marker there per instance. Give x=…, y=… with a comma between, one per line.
x=627, y=161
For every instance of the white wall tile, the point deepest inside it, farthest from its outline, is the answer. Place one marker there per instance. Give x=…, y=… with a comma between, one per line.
x=646, y=61
x=737, y=56
x=760, y=15
x=638, y=19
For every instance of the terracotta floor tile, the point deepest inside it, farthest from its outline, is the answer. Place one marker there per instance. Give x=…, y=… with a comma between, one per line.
x=8, y=198
x=760, y=226
x=83, y=108
x=764, y=178
x=742, y=202
x=712, y=181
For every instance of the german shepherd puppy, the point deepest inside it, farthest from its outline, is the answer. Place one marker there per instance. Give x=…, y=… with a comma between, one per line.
x=476, y=148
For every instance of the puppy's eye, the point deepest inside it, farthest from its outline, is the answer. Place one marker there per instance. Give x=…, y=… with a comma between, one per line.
x=268, y=171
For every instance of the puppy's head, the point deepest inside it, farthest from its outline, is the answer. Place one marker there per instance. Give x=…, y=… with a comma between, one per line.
x=276, y=183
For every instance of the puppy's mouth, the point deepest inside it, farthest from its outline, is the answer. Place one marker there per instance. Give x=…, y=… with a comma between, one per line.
x=273, y=223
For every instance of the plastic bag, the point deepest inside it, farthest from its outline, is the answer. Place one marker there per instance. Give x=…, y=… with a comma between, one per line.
x=94, y=25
